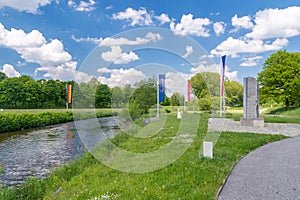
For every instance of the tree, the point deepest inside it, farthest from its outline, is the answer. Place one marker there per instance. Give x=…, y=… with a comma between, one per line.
x=102, y=96
x=2, y=76
x=234, y=93
x=143, y=97
x=177, y=99
x=117, y=97
x=205, y=84
x=280, y=79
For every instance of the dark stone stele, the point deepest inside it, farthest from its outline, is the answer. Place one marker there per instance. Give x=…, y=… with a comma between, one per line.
x=251, y=104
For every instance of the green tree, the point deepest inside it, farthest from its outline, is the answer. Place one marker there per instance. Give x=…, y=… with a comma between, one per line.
x=205, y=84
x=102, y=96
x=280, y=79
x=233, y=93
x=32, y=91
x=177, y=99
x=118, y=97
x=143, y=97
x=2, y=76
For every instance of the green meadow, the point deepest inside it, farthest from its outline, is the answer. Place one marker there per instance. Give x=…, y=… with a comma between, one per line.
x=188, y=177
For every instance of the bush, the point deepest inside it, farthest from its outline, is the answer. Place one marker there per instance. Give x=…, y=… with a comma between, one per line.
x=205, y=104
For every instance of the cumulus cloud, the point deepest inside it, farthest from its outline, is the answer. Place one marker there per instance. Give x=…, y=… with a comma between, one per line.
x=176, y=82
x=116, y=56
x=33, y=47
x=190, y=26
x=31, y=6
x=18, y=39
x=276, y=23
x=135, y=17
x=163, y=18
x=251, y=61
x=219, y=28
x=10, y=71
x=233, y=46
x=64, y=72
x=51, y=53
x=242, y=22
x=120, y=77
x=189, y=50
x=83, y=5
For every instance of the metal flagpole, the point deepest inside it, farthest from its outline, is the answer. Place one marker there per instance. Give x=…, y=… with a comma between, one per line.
x=221, y=90
x=157, y=107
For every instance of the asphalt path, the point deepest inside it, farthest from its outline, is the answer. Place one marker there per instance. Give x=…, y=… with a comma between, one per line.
x=271, y=172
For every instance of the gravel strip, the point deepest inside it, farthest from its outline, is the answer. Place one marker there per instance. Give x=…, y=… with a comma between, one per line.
x=229, y=125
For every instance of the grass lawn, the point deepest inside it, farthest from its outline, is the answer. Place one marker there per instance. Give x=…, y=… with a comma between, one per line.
x=189, y=177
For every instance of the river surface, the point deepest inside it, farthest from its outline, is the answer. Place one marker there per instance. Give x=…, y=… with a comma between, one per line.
x=36, y=152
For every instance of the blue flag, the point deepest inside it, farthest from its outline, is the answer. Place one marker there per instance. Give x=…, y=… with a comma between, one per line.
x=161, y=88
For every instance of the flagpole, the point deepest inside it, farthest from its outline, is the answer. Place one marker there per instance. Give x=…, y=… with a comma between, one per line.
x=222, y=102
x=221, y=74
x=157, y=107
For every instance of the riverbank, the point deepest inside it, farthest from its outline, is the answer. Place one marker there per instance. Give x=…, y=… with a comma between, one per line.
x=189, y=177
x=14, y=120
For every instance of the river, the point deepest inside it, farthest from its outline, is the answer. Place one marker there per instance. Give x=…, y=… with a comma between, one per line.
x=36, y=152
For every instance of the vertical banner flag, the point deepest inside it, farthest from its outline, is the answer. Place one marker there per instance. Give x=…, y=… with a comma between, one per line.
x=189, y=91
x=161, y=87
x=69, y=93
x=222, y=75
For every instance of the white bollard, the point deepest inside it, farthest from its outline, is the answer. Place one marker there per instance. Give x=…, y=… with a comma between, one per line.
x=208, y=149
x=178, y=114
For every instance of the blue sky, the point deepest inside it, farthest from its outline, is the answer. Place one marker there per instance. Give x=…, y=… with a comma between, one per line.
x=124, y=41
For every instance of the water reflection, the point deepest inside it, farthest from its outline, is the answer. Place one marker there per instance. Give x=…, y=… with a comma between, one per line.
x=37, y=152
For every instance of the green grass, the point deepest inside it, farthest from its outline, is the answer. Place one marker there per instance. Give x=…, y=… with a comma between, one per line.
x=293, y=111
x=14, y=120
x=273, y=115
x=189, y=177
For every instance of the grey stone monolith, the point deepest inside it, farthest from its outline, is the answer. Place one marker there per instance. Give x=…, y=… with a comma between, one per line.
x=251, y=103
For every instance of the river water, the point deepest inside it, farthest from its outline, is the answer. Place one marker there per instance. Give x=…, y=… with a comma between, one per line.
x=36, y=152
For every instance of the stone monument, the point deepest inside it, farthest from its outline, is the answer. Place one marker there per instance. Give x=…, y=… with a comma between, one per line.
x=251, y=104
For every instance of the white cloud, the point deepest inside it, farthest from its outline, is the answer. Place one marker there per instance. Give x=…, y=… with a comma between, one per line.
x=83, y=5
x=64, y=72
x=109, y=7
x=135, y=17
x=251, y=61
x=48, y=54
x=116, y=56
x=30, y=6
x=176, y=82
x=149, y=37
x=121, y=77
x=243, y=22
x=163, y=18
x=219, y=28
x=233, y=46
x=189, y=50
x=231, y=75
x=18, y=39
x=276, y=23
x=10, y=71
x=33, y=47
x=88, y=39
x=190, y=26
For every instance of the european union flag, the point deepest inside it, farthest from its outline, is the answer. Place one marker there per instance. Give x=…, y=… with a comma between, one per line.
x=161, y=87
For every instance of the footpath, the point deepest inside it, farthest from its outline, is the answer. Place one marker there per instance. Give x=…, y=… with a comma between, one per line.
x=271, y=172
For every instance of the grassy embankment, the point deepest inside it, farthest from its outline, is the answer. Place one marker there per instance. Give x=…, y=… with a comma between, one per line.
x=189, y=177
x=271, y=115
x=13, y=120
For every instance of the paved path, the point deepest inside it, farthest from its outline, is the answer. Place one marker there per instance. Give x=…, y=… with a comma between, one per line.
x=271, y=172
